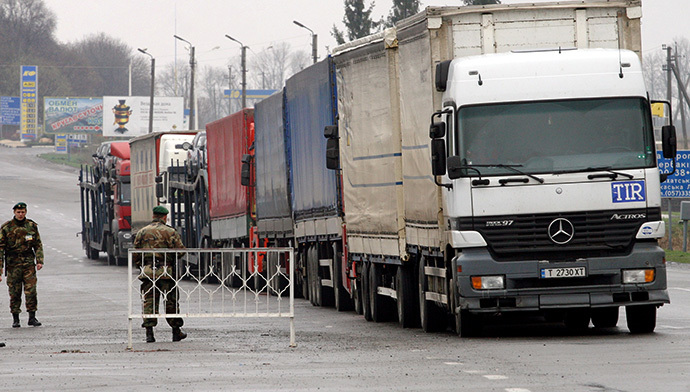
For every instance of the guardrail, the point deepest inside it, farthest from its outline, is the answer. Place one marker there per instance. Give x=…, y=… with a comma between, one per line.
x=215, y=283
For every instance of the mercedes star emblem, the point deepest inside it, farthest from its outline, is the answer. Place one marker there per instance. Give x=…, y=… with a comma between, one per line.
x=561, y=231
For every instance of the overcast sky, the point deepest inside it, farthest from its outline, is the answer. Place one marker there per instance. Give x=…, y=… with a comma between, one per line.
x=259, y=23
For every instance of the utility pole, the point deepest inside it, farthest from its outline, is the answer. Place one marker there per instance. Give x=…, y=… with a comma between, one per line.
x=153, y=83
x=244, y=70
x=229, y=88
x=314, y=40
x=669, y=96
x=680, y=99
x=191, y=87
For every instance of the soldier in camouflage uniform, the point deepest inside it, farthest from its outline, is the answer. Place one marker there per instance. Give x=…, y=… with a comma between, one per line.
x=20, y=244
x=157, y=276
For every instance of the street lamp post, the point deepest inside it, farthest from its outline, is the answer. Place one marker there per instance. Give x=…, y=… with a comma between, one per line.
x=153, y=81
x=244, y=70
x=191, y=86
x=314, y=46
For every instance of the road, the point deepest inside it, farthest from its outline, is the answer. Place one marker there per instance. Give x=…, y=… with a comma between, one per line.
x=82, y=343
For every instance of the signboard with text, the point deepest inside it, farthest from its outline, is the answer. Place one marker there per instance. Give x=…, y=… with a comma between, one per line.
x=10, y=111
x=29, y=104
x=129, y=116
x=677, y=185
x=72, y=115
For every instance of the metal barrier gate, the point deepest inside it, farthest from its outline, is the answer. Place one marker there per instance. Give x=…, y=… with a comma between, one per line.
x=213, y=283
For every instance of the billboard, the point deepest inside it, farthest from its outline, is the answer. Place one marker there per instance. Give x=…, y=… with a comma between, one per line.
x=10, y=111
x=129, y=116
x=72, y=115
x=677, y=185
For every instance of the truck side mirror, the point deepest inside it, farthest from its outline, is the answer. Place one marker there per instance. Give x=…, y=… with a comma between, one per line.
x=437, y=130
x=455, y=167
x=332, y=154
x=159, y=187
x=442, y=69
x=438, y=157
x=330, y=131
x=245, y=176
x=668, y=141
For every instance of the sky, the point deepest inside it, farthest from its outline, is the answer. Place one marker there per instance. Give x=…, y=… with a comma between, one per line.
x=258, y=24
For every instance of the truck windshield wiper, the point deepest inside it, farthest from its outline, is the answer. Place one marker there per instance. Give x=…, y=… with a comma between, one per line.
x=513, y=168
x=611, y=173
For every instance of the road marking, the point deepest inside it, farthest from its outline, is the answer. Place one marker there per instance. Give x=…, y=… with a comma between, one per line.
x=495, y=377
x=670, y=327
x=452, y=363
x=517, y=390
x=679, y=288
x=472, y=371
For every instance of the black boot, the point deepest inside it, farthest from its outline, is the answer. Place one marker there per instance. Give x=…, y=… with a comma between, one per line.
x=149, y=335
x=32, y=320
x=15, y=323
x=178, y=334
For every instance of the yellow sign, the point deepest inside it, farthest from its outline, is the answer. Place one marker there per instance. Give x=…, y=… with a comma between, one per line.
x=658, y=109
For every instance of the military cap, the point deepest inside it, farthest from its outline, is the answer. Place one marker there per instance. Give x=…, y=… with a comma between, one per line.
x=160, y=210
x=21, y=204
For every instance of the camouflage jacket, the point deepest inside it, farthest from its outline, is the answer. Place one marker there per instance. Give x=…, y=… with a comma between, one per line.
x=19, y=240
x=157, y=235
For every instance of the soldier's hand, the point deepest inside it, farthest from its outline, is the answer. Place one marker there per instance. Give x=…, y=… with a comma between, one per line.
x=38, y=267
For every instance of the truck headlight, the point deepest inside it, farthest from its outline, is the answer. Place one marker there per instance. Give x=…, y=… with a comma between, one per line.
x=488, y=282
x=638, y=276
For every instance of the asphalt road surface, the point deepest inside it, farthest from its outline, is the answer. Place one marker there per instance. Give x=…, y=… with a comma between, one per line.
x=82, y=343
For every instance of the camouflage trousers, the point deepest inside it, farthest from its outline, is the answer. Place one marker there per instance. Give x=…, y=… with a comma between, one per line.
x=152, y=292
x=21, y=276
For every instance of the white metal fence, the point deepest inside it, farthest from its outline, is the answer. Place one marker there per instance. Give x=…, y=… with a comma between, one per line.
x=215, y=283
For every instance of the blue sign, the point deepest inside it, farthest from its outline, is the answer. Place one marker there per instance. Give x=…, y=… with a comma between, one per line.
x=628, y=191
x=29, y=105
x=677, y=185
x=251, y=94
x=10, y=111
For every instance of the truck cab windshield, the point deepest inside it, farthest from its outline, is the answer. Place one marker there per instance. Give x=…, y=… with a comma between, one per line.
x=556, y=136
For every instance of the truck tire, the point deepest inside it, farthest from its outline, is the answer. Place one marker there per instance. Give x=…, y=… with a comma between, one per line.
x=407, y=303
x=341, y=297
x=301, y=278
x=91, y=253
x=431, y=317
x=364, y=280
x=377, y=303
x=641, y=318
x=110, y=250
x=605, y=317
x=313, y=276
x=357, y=296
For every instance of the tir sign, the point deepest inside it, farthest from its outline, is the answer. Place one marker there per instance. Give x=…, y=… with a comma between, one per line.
x=628, y=191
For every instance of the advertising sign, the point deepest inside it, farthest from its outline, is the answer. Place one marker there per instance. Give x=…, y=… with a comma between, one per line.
x=10, y=111
x=129, y=116
x=677, y=185
x=61, y=143
x=72, y=115
x=29, y=105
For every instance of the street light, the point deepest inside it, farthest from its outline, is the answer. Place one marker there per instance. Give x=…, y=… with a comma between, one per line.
x=191, y=87
x=244, y=70
x=153, y=79
x=314, y=46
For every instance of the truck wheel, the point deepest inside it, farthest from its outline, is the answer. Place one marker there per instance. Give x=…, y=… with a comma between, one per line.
x=110, y=250
x=407, y=304
x=314, y=278
x=605, y=317
x=340, y=295
x=641, y=318
x=364, y=280
x=121, y=261
x=467, y=324
x=91, y=253
x=431, y=317
x=303, y=283
x=357, y=296
x=378, y=311
x=577, y=319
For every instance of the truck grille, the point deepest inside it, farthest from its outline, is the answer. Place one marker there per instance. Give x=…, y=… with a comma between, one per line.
x=596, y=233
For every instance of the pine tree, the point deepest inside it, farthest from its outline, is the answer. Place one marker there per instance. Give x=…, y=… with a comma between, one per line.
x=402, y=9
x=357, y=20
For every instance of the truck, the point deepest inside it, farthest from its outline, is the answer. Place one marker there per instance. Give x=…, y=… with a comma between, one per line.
x=535, y=187
x=152, y=156
x=105, y=204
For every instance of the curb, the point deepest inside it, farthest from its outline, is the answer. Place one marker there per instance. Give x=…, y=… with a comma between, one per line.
x=13, y=144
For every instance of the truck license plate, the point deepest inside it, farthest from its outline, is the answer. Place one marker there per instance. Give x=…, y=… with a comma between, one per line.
x=566, y=272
